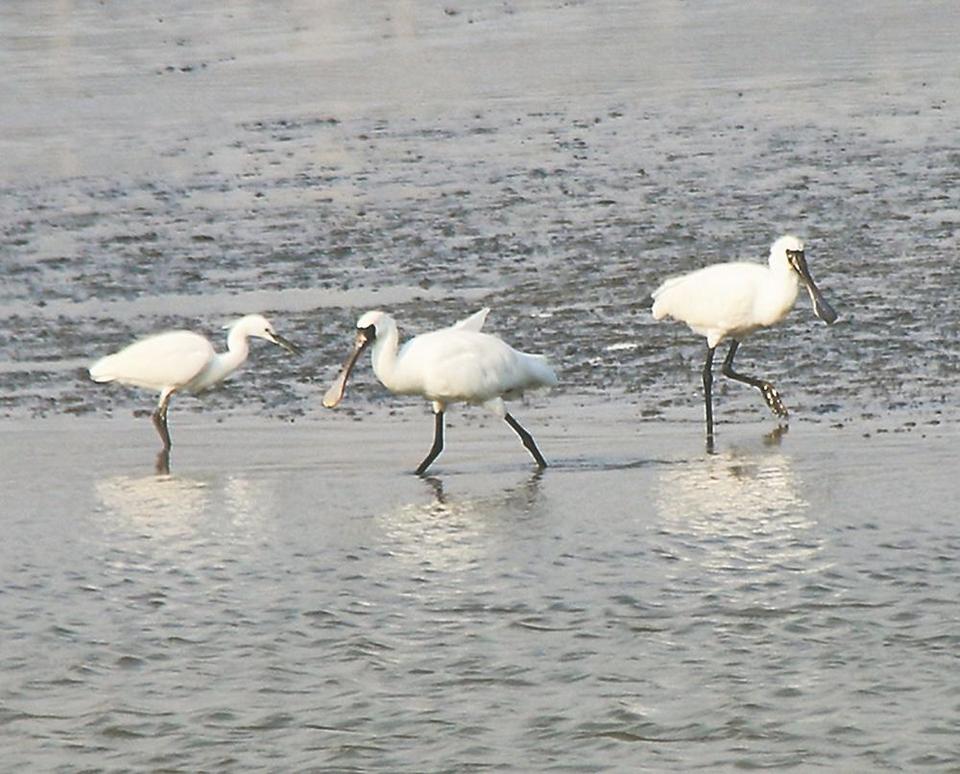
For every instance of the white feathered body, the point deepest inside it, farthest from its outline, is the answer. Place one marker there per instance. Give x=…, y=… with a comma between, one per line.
x=459, y=364
x=181, y=361
x=455, y=365
x=172, y=359
x=728, y=300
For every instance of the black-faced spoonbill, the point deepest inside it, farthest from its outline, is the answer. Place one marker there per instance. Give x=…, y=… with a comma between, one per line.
x=732, y=300
x=459, y=364
x=182, y=361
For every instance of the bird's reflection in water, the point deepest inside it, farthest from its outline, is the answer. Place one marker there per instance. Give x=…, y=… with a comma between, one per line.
x=454, y=529
x=167, y=505
x=773, y=438
x=738, y=507
x=182, y=508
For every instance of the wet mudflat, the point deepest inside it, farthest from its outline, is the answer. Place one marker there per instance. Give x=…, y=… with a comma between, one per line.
x=290, y=596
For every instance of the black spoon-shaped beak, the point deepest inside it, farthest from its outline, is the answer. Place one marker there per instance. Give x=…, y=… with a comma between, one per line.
x=821, y=307
x=334, y=395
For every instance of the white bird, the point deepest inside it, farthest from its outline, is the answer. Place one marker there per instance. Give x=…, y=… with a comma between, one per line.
x=732, y=300
x=182, y=361
x=459, y=364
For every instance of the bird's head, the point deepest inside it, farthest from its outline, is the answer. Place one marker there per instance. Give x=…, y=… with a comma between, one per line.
x=785, y=245
x=789, y=250
x=258, y=326
x=370, y=325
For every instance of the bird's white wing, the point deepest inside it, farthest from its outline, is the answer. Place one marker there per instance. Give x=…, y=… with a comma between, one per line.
x=169, y=359
x=474, y=322
x=716, y=297
x=464, y=365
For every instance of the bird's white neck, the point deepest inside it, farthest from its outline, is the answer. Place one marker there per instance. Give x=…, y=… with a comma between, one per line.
x=238, y=347
x=225, y=363
x=784, y=274
x=783, y=285
x=384, y=356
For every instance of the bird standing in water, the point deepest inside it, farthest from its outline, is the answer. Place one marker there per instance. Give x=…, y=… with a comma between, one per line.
x=732, y=300
x=459, y=364
x=182, y=361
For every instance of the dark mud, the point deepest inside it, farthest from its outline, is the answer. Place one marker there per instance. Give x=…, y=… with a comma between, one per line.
x=561, y=213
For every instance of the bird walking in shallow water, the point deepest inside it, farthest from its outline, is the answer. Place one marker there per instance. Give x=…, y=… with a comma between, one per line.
x=182, y=361
x=732, y=300
x=459, y=364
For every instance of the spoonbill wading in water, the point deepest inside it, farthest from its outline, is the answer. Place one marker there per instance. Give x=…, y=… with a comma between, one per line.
x=459, y=364
x=732, y=300
x=182, y=361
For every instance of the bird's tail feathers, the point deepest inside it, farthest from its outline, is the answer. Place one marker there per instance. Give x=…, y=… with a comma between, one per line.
x=540, y=371
x=101, y=371
x=660, y=301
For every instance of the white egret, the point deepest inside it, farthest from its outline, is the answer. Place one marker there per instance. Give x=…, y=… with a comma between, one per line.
x=182, y=361
x=732, y=300
x=459, y=364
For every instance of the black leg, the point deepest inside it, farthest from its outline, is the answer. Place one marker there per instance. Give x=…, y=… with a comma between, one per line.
x=769, y=392
x=708, y=392
x=162, y=465
x=437, y=444
x=527, y=440
x=160, y=421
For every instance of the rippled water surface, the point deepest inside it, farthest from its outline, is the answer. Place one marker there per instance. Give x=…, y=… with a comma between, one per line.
x=290, y=597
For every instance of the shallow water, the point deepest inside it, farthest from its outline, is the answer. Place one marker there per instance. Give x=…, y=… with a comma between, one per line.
x=291, y=598
x=638, y=605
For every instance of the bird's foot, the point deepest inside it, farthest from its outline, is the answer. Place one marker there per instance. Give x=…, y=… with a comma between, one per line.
x=775, y=436
x=773, y=399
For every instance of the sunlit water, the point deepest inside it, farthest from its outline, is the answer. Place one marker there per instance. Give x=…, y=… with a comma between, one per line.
x=290, y=598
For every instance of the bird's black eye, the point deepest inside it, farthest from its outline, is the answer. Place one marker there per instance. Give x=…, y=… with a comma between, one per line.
x=370, y=332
